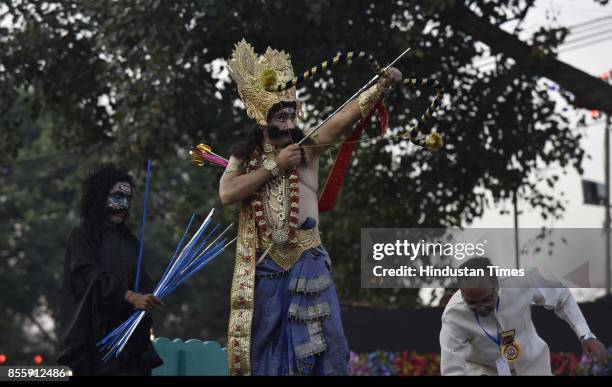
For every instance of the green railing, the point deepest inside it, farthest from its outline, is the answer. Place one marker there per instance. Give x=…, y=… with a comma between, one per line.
x=191, y=357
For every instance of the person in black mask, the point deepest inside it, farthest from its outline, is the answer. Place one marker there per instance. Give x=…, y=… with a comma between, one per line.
x=99, y=271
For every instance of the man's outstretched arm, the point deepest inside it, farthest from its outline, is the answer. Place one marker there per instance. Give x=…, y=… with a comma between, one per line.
x=333, y=129
x=566, y=307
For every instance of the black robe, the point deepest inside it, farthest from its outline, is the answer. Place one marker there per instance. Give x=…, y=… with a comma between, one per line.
x=95, y=281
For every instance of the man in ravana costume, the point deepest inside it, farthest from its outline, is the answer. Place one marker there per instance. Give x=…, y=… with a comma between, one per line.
x=285, y=313
x=99, y=271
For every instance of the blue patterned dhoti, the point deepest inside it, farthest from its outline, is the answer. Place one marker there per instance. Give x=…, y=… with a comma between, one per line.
x=297, y=328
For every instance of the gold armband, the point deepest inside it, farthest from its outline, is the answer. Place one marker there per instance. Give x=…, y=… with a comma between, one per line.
x=368, y=98
x=232, y=168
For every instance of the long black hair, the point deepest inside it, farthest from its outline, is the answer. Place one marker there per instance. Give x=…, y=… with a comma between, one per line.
x=244, y=149
x=93, y=211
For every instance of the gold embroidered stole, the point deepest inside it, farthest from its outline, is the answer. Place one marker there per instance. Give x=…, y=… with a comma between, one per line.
x=242, y=296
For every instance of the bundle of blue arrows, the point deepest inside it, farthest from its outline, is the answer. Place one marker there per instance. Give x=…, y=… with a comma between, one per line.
x=204, y=246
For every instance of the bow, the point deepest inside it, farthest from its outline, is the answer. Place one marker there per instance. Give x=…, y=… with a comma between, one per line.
x=334, y=181
x=433, y=141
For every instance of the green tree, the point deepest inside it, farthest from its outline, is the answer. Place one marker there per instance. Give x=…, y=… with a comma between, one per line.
x=85, y=82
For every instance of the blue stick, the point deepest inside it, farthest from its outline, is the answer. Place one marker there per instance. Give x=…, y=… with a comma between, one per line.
x=168, y=291
x=205, y=260
x=120, y=337
x=184, y=266
x=192, y=256
x=116, y=331
x=178, y=247
x=128, y=333
x=142, y=226
x=186, y=253
x=204, y=241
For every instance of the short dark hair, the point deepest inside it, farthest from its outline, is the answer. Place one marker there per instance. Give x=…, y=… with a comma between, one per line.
x=477, y=263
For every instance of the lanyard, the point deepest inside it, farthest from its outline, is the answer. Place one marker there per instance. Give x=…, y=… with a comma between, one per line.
x=496, y=340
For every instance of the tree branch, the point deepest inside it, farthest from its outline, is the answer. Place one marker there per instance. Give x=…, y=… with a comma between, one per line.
x=42, y=330
x=589, y=91
x=522, y=15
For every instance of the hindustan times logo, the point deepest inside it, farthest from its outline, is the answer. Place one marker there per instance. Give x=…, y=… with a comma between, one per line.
x=431, y=271
x=411, y=250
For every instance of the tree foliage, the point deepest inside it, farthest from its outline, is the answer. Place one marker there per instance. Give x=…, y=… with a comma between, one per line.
x=84, y=82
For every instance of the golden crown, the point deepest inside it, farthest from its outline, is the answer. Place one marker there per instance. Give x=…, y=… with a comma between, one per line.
x=253, y=75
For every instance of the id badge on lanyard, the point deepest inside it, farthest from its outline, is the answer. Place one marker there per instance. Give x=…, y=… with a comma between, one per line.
x=510, y=349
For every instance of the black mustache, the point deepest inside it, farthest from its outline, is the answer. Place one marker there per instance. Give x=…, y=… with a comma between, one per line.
x=296, y=134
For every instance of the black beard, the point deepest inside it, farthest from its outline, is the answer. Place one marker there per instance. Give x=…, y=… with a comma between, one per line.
x=275, y=133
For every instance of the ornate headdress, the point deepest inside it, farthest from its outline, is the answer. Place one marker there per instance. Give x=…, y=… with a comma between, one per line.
x=255, y=74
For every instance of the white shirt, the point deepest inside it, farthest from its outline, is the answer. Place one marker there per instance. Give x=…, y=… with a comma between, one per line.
x=467, y=350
